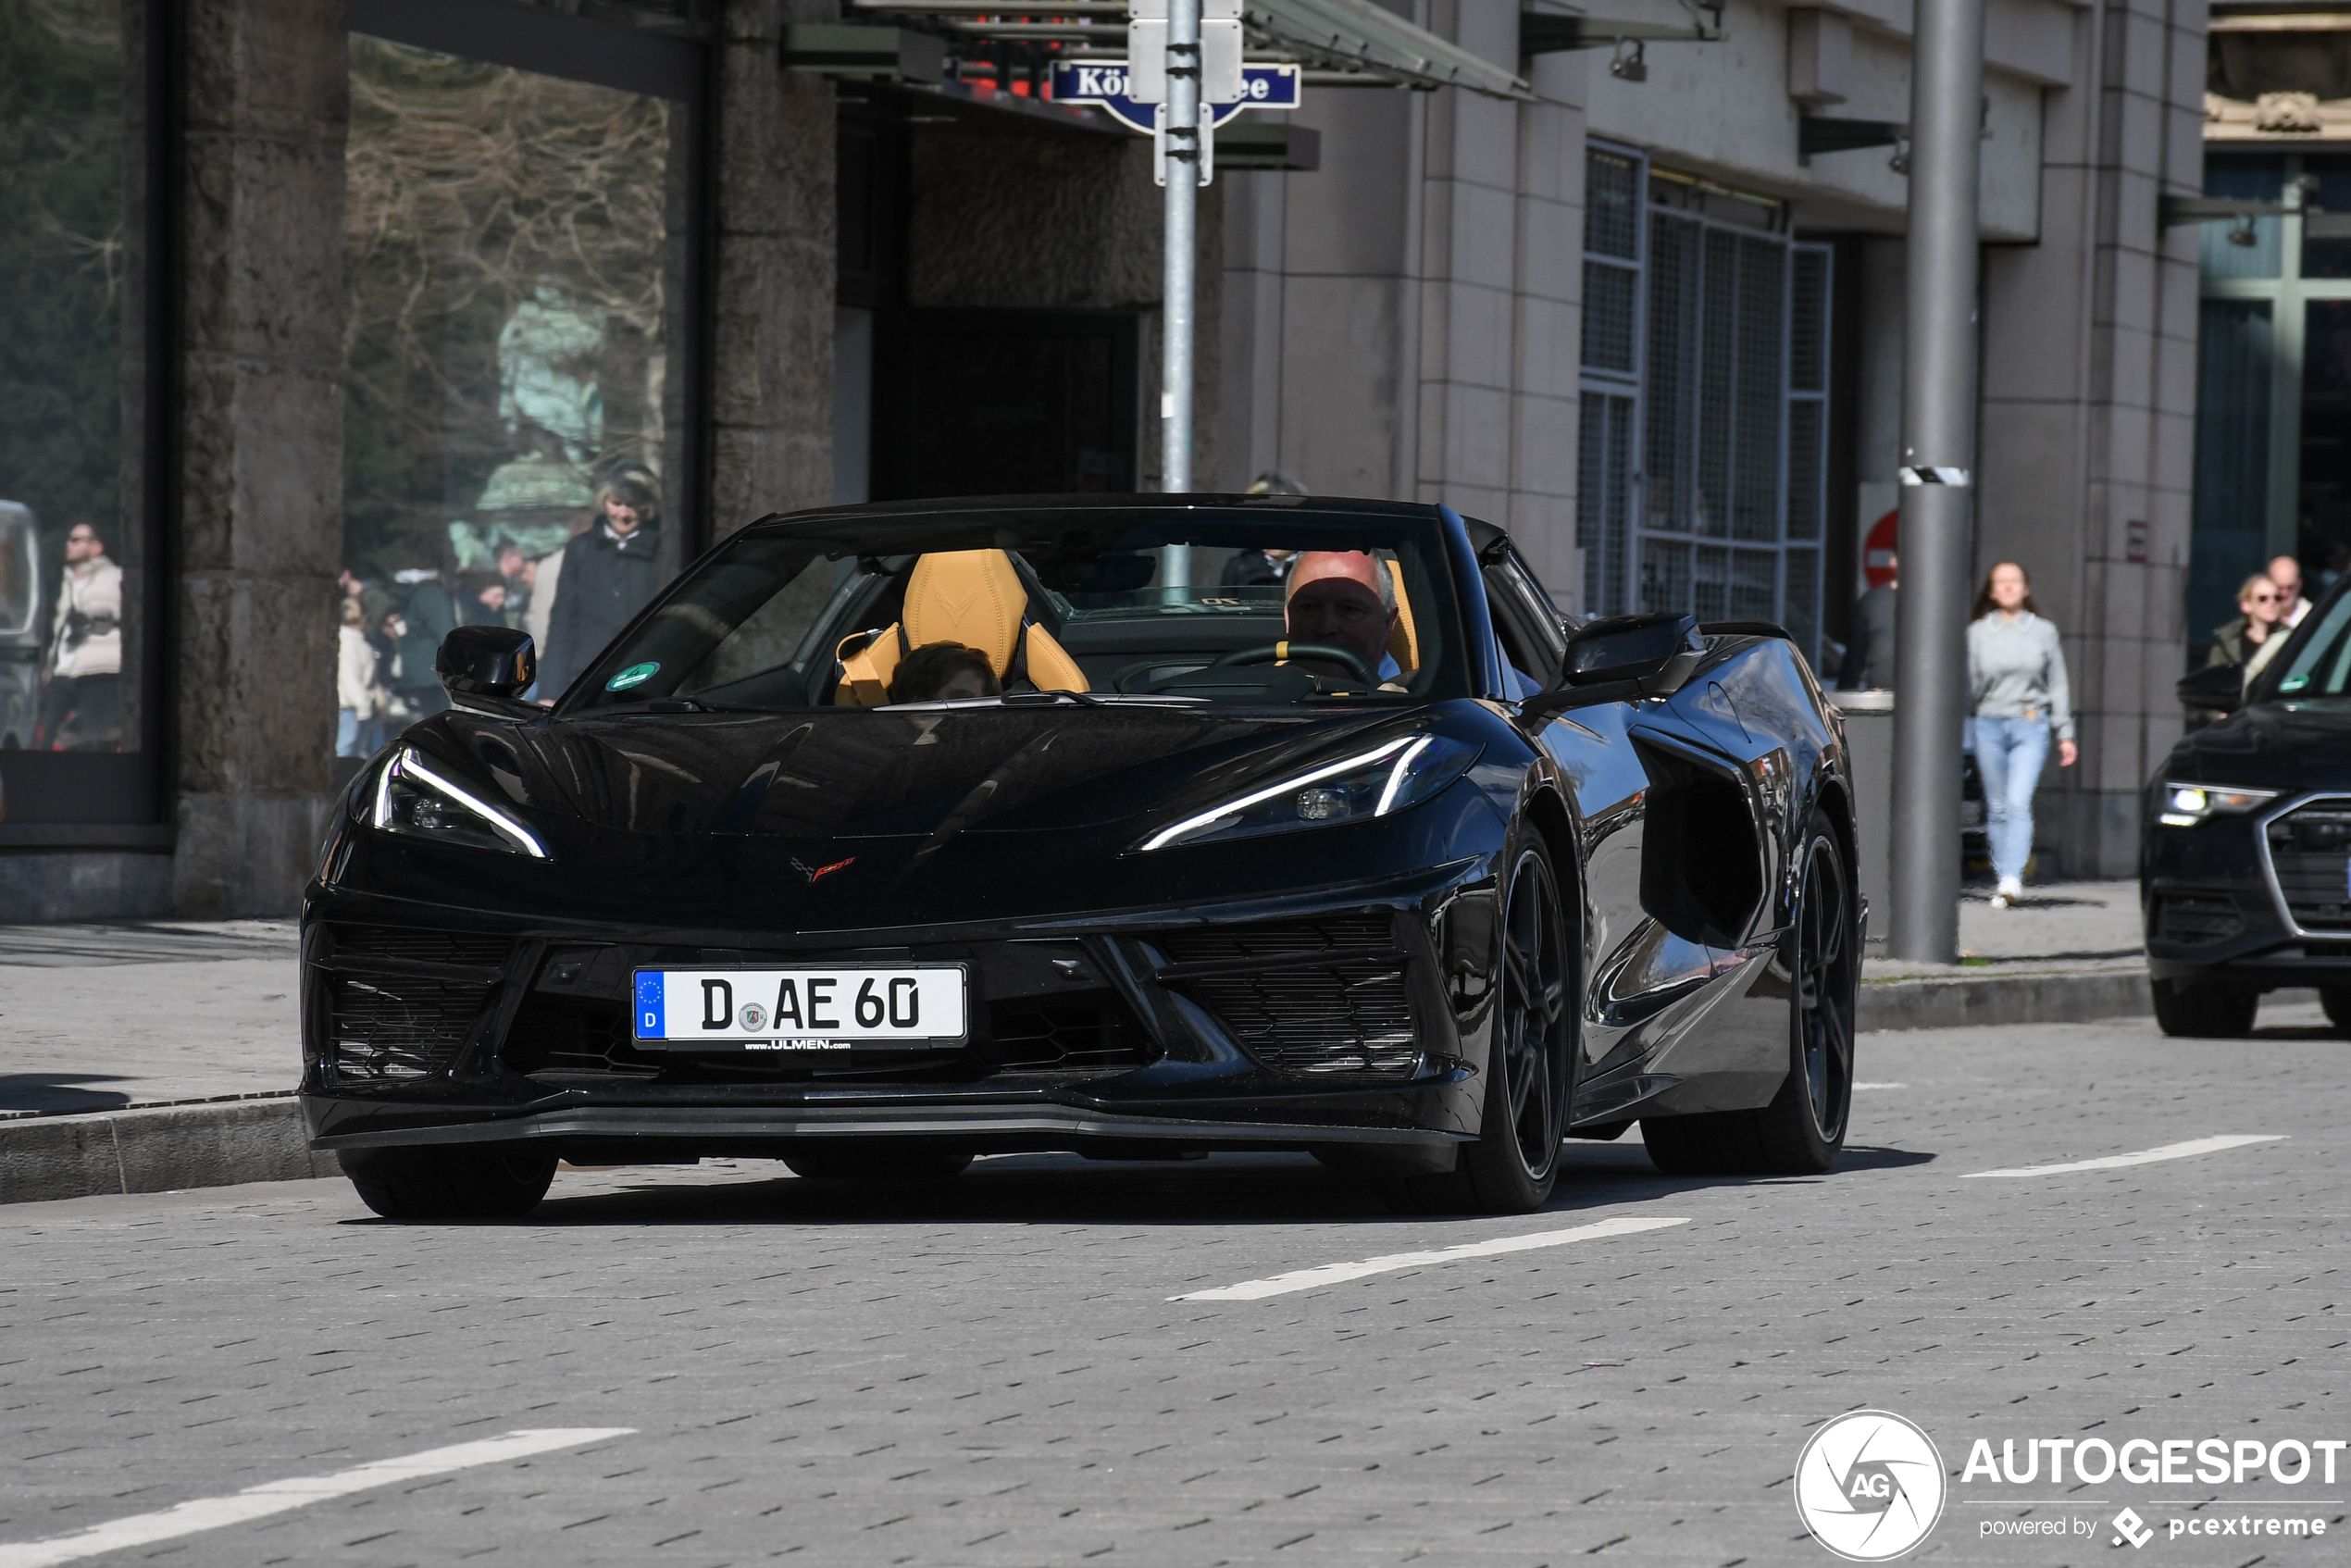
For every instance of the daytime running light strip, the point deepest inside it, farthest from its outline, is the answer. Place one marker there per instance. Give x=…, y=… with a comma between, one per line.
x=1167, y=835
x=408, y=762
x=1396, y=775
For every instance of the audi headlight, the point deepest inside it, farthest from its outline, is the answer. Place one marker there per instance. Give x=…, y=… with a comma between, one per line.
x=416, y=800
x=2187, y=805
x=1405, y=771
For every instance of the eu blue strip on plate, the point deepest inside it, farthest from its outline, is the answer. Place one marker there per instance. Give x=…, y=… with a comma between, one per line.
x=648, y=1008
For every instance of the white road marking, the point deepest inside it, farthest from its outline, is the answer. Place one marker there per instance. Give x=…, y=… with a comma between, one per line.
x=2144, y=1157
x=278, y=1496
x=1335, y=1274
x=1881, y=1086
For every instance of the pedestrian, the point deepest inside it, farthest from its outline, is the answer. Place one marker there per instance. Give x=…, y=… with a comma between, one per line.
x=427, y=615
x=609, y=573
x=2020, y=698
x=1869, y=658
x=82, y=706
x=2238, y=641
x=1257, y=569
x=359, y=697
x=2286, y=572
x=520, y=574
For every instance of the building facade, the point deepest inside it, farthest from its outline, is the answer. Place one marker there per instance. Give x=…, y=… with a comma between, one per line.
x=371, y=308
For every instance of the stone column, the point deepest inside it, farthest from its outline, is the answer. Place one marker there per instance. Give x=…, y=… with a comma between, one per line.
x=772, y=370
x=2088, y=416
x=259, y=514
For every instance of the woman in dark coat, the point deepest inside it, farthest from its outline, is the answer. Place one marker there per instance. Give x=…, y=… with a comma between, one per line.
x=609, y=573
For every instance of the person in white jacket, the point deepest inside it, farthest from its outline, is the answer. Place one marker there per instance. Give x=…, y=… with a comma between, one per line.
x=81, y=707
x=359, y=694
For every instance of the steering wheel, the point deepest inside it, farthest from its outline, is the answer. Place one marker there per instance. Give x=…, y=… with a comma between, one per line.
x=1269, y=652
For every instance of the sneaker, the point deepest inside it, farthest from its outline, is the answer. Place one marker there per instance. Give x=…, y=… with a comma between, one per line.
x=2010, y=893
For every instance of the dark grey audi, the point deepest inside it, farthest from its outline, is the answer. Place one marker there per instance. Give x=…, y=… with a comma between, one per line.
x=2245, y=868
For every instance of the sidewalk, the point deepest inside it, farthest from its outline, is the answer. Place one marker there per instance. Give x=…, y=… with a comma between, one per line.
x=2070, y=952
x=142, y=1057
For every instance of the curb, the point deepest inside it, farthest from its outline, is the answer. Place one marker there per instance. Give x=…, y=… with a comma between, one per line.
x=2003, y=999
x=161, y=1149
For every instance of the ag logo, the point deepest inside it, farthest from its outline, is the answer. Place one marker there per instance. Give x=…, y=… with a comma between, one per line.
x=1869, y=1485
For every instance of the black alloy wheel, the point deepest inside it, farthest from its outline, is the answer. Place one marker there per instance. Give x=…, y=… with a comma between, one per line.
x=1802, y=1130
x=449, y=1183
x=1513, y=1166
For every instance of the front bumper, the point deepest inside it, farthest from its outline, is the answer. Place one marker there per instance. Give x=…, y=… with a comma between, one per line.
x=2258, y=901
x=1164, y=1064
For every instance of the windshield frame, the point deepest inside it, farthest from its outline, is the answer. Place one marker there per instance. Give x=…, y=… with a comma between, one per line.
x=1444, y=551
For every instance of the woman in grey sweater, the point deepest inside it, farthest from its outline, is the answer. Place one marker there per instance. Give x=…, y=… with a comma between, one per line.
x=2017, y=691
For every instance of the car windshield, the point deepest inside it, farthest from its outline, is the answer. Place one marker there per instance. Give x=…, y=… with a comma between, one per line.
x=1250, y=604
x=2321, y=666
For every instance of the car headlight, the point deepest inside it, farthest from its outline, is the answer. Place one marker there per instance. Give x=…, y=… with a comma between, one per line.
x=1405, y=771
x=416, y=799
x=2185, y=805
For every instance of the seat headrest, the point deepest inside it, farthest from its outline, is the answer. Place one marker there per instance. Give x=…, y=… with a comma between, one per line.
x=972, y=597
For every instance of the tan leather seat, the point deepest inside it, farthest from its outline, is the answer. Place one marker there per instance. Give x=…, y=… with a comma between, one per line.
x=972, y=597
x=1404, y=642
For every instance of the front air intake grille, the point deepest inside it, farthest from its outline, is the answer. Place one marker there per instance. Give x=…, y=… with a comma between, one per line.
x=402, y=945
x=402, y=1027
x=2192, y=919
x=2310, y=851
x=554, y=1034
x=1062, y=1034
x=1347, y=1016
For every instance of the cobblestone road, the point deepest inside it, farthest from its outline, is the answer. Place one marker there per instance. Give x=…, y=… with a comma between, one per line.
x=993, y=1371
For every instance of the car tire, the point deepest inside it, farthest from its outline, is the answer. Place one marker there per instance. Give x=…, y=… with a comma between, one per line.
x=1802, y=1130
x=2207, y=1010
x=1530, y=1078
x=877, y=1162
x=449, y=1183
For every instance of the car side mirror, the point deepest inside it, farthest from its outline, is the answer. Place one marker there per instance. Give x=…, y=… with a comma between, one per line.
x=493, y=665
x=1623, y=659
x=1656, y=651
x=2214, y=689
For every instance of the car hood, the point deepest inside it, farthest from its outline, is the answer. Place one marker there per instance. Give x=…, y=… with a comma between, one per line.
x=2285, y=746
x=878, y=773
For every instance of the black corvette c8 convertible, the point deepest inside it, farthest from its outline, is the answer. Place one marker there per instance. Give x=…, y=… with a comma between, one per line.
x=889, y=835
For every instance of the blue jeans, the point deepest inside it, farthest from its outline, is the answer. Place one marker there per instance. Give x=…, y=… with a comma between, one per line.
x=2009, y=753
x=355, y=737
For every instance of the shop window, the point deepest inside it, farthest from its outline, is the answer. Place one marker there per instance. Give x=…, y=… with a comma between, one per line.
x=519, y=274
x=78, y=717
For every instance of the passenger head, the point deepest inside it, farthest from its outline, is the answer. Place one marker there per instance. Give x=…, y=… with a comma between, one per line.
x=936, y=672
x=629, y=499
x=2257, y=600
x=1343, y=597
x=2286, y=572
x=82, y=544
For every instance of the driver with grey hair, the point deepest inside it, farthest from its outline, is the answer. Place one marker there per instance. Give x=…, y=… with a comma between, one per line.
x=1345, y=598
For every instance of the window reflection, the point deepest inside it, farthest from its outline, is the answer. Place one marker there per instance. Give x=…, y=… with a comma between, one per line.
x=65, y=253
x=514, y=280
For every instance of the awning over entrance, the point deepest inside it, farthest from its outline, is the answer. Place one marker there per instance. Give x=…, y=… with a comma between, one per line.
x=1335, y=39
x=1357, y=34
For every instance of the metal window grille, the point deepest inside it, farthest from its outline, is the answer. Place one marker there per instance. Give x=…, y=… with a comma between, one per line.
x=1612, y=182
x=1609, y=294
x=1731, y=412
x=1604, y=498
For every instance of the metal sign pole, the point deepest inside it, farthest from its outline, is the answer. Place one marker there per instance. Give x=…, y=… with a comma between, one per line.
x=1939, y=493
x=1179, y=130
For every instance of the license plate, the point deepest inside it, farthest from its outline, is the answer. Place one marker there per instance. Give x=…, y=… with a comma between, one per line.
x=836, y=1008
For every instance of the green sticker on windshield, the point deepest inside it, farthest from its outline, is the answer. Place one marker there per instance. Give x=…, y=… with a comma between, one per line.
x=635, y=675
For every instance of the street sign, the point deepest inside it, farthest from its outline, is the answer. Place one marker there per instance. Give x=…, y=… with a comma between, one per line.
x=1103, y=84
x=1877, y=549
